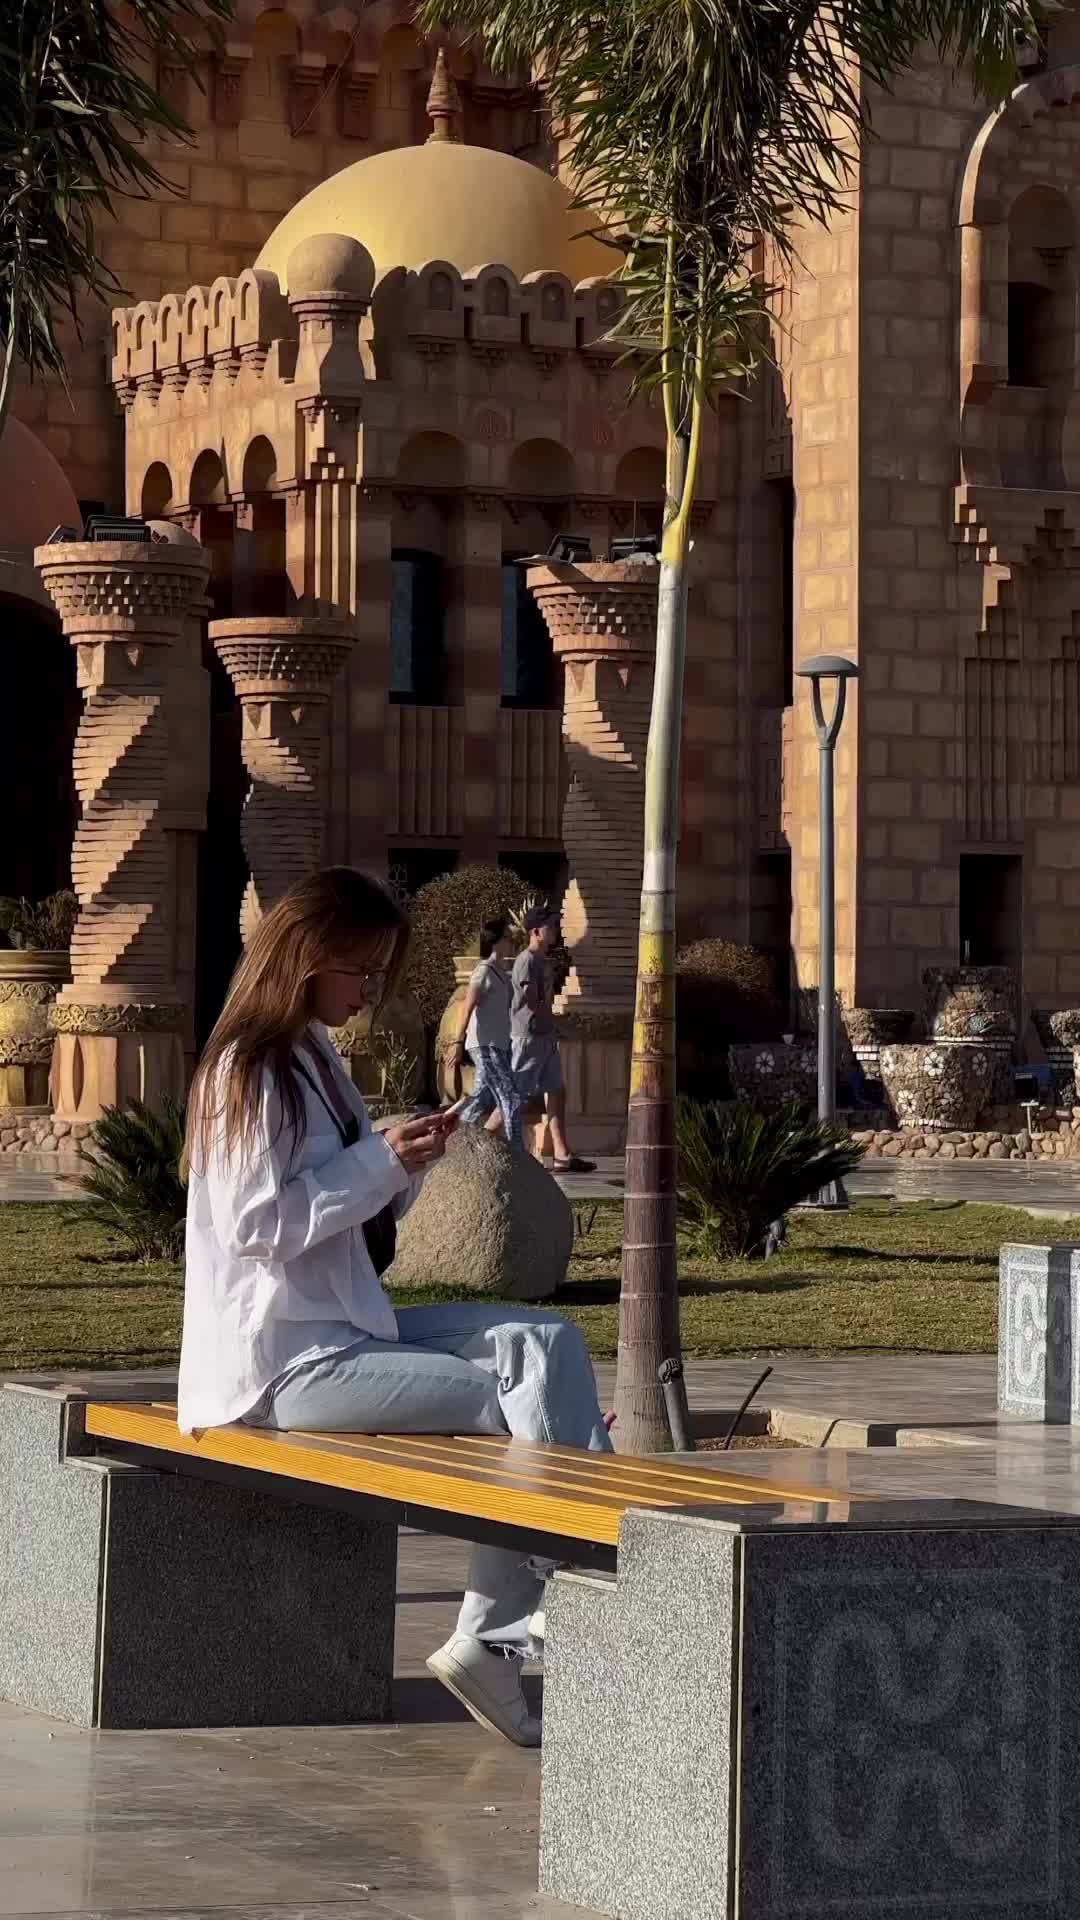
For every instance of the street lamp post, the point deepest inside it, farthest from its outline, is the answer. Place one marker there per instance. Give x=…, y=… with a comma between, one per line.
x=822, y=667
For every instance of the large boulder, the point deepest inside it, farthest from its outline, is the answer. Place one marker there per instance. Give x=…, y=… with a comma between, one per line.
x=489, y=1220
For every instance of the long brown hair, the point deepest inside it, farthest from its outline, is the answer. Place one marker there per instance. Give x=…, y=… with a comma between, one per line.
x=315, y=925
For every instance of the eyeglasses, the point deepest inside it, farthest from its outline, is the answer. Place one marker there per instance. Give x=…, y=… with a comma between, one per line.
x=376, y=978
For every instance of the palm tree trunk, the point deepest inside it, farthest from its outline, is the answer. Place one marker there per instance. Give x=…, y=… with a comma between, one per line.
x=649, y=1300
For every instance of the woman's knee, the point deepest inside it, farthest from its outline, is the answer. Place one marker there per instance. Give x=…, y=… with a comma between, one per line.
x=563, y=1342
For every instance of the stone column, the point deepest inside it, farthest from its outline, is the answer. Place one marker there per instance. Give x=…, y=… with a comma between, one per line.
x=602, y=621
x=283, y=671
x=119, y=1023
x=474, y=620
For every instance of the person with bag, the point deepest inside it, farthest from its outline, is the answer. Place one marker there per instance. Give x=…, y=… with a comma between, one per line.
x=293, y=1203
x=485, y=1033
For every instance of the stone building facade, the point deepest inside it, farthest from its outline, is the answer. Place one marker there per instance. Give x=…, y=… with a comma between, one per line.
x=364, y=368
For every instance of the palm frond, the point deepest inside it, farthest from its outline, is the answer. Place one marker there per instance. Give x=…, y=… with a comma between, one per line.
x=719, y=125
x=133, y=1184
x=740, y=1169
x=78, y=118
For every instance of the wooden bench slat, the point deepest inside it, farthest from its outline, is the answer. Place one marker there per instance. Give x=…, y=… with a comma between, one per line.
x=633, y=1481
x=529, y=1466
x=499, y=1498
x=554, y=1490
x=688, y=1481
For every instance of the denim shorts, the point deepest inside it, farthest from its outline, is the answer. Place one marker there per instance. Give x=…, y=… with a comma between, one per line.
x=537, y=1067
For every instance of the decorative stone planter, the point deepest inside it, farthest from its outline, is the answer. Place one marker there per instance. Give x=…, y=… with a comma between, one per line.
x=970, y=1003
x=772, y=1072
x=1059, y=1029
x=29, y=983
x=871, y=1028
x=1060, y=1035
x=938, y=1089
x=400, y=1019
x=453, y=1080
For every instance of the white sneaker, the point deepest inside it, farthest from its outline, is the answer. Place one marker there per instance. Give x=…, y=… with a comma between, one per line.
x=488, y=1686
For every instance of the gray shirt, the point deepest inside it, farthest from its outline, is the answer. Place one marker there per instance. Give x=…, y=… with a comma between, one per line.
x=489, y=1025
x=526, y=1023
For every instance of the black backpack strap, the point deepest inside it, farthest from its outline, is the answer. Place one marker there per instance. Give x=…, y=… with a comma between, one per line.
x=380, y=1232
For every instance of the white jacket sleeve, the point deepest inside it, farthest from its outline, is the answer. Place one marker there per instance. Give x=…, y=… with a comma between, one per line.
x=262, y=1210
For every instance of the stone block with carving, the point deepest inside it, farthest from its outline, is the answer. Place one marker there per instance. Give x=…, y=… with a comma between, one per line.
x=1038, y=1333
x=817, y=1712
x=767, y=1073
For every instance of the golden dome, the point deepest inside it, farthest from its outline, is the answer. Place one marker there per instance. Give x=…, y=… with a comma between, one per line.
x=35, y=495
x=468, y=205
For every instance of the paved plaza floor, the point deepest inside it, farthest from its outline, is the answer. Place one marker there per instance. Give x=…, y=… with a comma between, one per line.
x=428, y=1817
x=425, y=1819
x=1051, y=1190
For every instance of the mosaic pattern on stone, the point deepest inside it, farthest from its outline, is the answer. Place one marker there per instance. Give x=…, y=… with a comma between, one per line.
x=939, y=1089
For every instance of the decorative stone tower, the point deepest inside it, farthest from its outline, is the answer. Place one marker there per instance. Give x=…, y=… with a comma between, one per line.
x=120, y=1022
x=602, y=621
x=283, y=671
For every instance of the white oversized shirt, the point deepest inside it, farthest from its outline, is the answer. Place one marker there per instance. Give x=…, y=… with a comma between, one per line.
x=277, y=1267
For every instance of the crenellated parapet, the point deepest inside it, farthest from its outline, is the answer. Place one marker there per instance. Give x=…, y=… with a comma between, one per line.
x=429, y=378
x=249, y=327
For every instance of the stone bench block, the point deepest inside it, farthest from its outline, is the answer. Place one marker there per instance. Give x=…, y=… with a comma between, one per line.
x=1039, y=1333
x=132, y=1598
x=818, y=1722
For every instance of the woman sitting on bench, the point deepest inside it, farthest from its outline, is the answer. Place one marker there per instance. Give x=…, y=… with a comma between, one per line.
x=292, y=1208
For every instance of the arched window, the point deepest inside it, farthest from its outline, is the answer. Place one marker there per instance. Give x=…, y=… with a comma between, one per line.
x=157, y=492
x=497, y=300
x=529, y=678
x=417, y=623
x=440, y=293
x=1042, y=272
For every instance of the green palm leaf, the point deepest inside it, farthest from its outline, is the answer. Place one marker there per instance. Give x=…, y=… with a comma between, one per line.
x=77, y=120
x=740, y=1169
x=133, y=1184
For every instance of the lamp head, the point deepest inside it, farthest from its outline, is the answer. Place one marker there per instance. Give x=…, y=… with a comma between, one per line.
x=827, y=666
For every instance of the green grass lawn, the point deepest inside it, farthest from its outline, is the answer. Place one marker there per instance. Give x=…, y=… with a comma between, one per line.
x=919, y=1279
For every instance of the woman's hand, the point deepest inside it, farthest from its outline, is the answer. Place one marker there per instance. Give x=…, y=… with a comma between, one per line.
x=418, y=1143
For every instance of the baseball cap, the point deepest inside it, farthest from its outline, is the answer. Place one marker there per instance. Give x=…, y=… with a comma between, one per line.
x=538, y=917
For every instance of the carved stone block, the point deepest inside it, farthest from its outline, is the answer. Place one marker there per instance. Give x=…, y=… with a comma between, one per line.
x=1038, y=1333
x=790, y=1718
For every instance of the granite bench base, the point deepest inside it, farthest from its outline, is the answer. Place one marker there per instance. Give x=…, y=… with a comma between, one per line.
x=867, y=1721
x=132, y=1598
x=1039, y=1333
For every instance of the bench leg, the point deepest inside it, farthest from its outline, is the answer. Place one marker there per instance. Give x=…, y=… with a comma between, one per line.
x=816, y=1724
x=132, y=1598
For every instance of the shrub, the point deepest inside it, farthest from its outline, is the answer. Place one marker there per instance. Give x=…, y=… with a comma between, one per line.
x=447, y=915
x=726, y=992
x=396, y=1071
x=741, y=1169
x=133, y=1179
x=38, y=924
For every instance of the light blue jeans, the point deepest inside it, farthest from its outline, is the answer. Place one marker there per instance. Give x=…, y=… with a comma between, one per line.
x=458, y=1369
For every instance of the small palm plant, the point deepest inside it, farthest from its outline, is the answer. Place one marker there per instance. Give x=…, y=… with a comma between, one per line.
x=740, y=1170
x=133, y=1184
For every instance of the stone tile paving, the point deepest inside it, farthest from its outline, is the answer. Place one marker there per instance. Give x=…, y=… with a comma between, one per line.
x=427, y=1818
x=1045, y=1188
x=424, y=1819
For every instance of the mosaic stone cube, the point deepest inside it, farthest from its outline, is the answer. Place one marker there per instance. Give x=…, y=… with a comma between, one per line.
x=132, y=1598
x=818, y=1722
x=1038, y=1333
